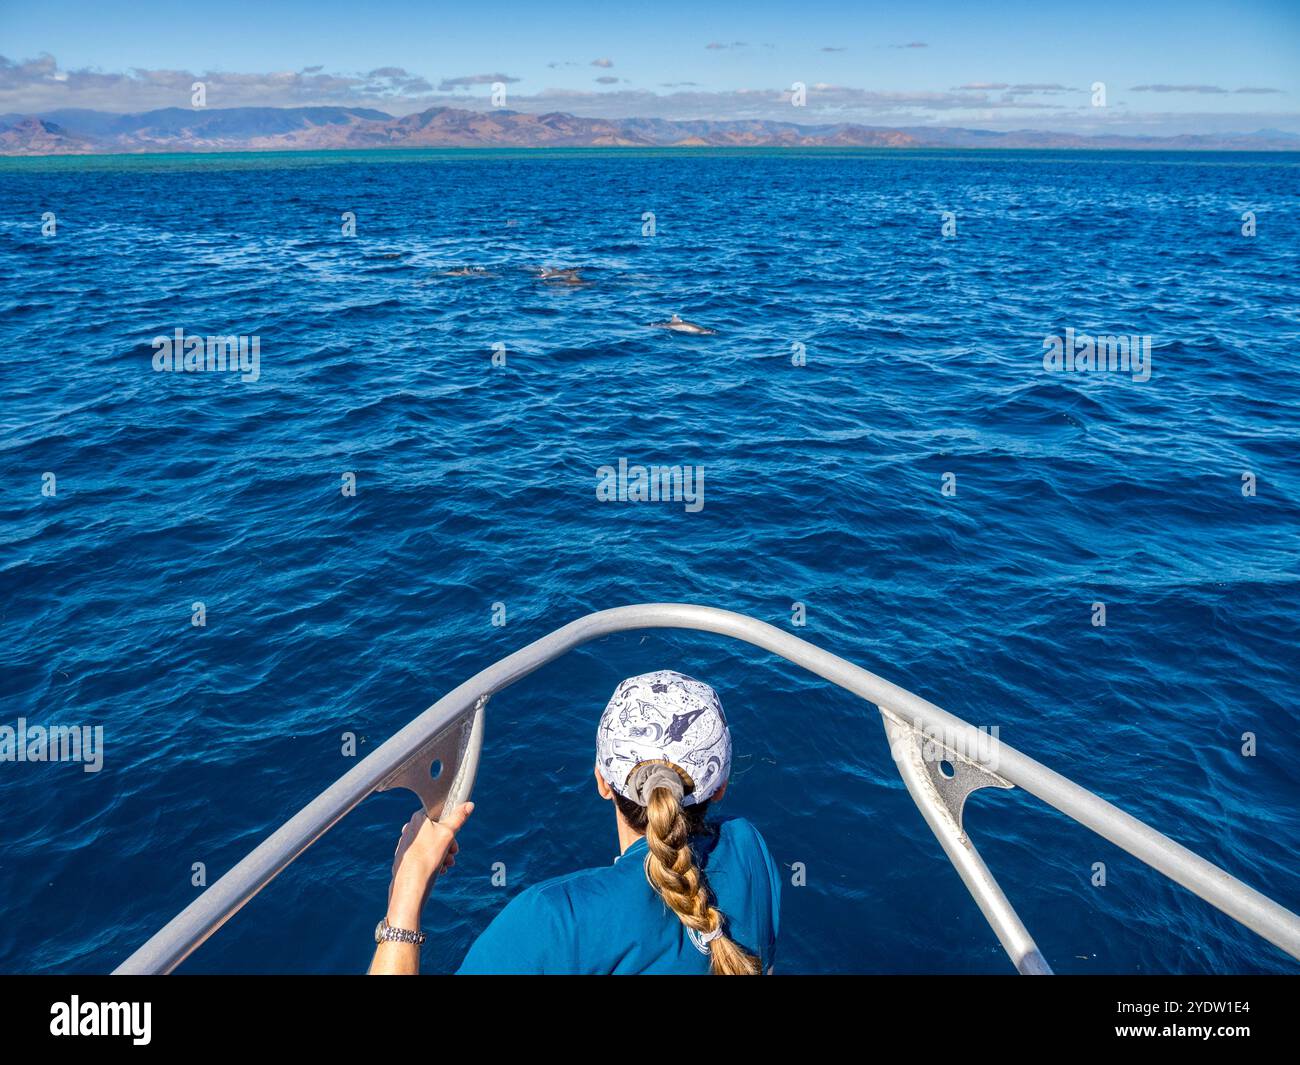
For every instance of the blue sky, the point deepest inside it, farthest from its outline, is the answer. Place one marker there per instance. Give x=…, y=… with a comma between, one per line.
x=1168, y=66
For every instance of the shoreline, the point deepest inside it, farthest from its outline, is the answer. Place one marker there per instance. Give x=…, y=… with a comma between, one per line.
x=398, y=152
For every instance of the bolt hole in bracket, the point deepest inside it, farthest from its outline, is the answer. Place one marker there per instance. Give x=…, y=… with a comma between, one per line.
x=940, y=778
x=442, y=772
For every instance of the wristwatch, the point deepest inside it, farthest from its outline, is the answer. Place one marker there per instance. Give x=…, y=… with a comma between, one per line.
x=386, y=933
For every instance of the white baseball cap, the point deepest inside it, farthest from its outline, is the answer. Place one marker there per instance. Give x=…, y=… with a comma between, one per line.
x=670, y=717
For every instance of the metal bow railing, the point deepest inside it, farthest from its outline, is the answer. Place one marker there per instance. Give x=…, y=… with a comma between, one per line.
x=941, y=759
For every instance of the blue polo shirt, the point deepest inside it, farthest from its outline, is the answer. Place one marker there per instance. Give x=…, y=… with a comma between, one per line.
x=610, y=920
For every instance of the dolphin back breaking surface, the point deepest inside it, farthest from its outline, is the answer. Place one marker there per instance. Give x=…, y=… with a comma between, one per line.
x=680, y=325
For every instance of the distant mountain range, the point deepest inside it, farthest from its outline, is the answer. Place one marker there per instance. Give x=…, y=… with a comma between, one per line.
x=79, y=132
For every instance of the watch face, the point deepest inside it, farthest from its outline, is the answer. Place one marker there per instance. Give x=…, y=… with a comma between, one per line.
x=379, y=931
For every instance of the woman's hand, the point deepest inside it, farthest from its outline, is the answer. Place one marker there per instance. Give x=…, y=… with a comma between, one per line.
x=425, y=849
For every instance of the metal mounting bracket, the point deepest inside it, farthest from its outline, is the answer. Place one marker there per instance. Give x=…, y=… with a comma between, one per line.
x=936, y=757
x=921, y=757
x=454, y=753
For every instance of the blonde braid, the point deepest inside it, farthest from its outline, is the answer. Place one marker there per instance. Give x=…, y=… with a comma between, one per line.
x=670, y=867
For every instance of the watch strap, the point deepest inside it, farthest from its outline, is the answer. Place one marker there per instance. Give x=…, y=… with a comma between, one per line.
x=386, y=933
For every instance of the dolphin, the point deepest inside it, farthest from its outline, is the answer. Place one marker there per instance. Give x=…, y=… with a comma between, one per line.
x=465, y=271
x=678, y=325
x=564, y=277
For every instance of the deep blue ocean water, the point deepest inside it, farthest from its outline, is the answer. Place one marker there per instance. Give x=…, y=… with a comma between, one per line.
x=476, y=485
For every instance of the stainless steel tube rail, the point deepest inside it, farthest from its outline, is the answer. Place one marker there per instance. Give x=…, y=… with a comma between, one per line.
x=459, y=714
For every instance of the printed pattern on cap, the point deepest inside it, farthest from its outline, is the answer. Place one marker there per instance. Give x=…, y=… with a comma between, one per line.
x=670, y=716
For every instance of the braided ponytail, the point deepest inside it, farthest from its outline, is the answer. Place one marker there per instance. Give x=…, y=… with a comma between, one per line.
x=671, y=870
